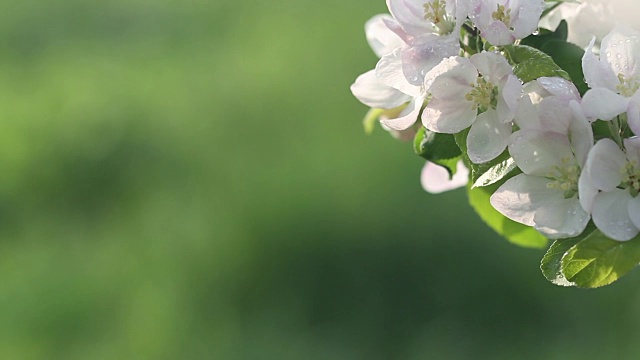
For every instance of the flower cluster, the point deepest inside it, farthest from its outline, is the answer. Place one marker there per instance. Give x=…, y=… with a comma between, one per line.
x=545, y=130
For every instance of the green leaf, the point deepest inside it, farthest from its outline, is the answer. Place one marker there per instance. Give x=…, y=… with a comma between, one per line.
x=569, y=57
x=370, y=120
x=494, y=173
x=530, y=63
x=552, y=261
x=543, y=36
x=438, y=148
x=487, y=173
x=597, y=260
x=516, y=233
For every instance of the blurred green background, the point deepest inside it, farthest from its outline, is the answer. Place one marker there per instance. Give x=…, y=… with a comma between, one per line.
x=190, y=180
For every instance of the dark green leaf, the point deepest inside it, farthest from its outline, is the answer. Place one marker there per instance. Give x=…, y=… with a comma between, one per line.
x=552, y=261
x=516, y=233
x=597, y=260
x=543, y=36
x=569, y=57
x=530, y=63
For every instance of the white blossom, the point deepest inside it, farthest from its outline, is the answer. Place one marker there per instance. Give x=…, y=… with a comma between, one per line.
x=460, y=88
x=436, y=179
x=546, y=195
x=614, y=78
x=615, y=173
x=501, y=22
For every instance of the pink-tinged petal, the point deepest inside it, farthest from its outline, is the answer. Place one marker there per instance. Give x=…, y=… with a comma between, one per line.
x=633, y=117
x=603, y=104
x=537, y=152
x=398, y=30
x=498, y=34
x=562, y=218
x=525, y=17
x=407, y=117
x=597, y=73
x=480, y=13
x=488, y=137
x=521, y=196
x=407, y=15
x=452, y=69
x=493, y=67
x=634, y=211
x=581, y=133
x=418, y=59
x=435, y=179
x=560, y=87
x=508, y=99
x=371, y=92
x=448, y=117
x=605, y=161
x=611, y=215
x=620, y=49
x=587, y=191
x=381, y=39
x=389, y=72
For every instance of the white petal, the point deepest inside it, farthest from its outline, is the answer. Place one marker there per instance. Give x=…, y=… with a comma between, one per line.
x=498, y=34
x=381, y=39
x=587, y=191
x=538, y=152
x=603, y=104
x=488, y=137
x=406, y=13
x=389, y=72
x=448, y=117
x=508, y=99
x=597, y=73
x=456, y=69
x=407, y=117
x=632, y=149
x=611, y=215
x=621, y=49
x=581, y=133
x=435, y=179
x=527, y=115
x=493, y=67
x=633, y=116
x=418, y=59
x=525, y=17
x=562, y=218
x=371, y=92
x=605, y=161
x=634, y=211
x=558, y=86
x=555, y=114
x=522, y=195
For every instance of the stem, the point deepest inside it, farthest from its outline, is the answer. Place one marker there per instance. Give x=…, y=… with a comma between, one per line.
x=614, y=128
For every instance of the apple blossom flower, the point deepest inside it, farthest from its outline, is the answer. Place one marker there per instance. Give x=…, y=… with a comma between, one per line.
x=368, y=88
x=460, y=88
x=614, y=78
x=546, y=195
x=436, y=179
x=589, y=18
x=501, y=22
x=615, y=174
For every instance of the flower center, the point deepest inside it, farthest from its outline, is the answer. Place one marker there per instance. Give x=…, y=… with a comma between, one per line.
x=435, y=11
x=627, y=87
x=631, y=177
x=502, y=14
x=483, y=95
x=565, y=177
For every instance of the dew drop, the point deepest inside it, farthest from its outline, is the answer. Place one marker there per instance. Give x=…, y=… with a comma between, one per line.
x=608, y=54
x=618, y=56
